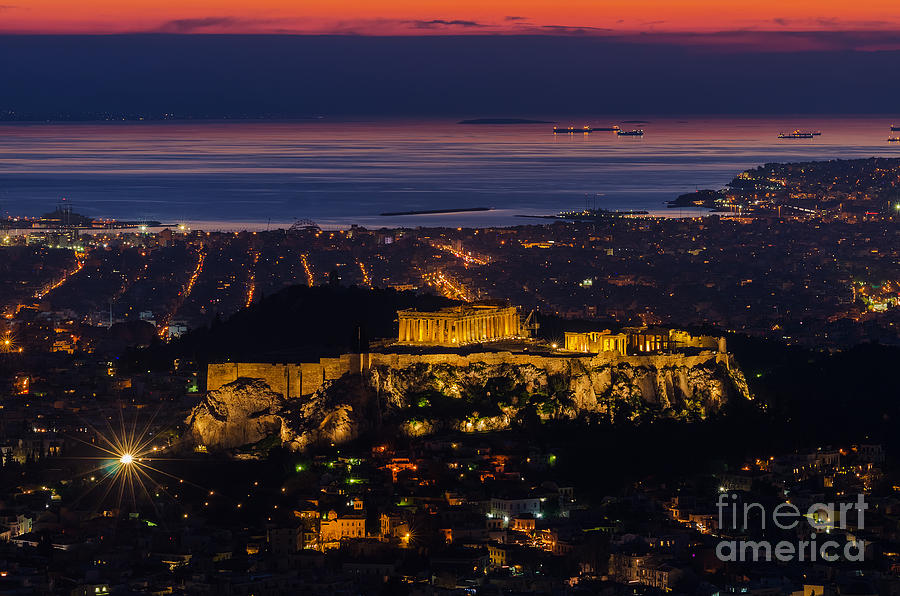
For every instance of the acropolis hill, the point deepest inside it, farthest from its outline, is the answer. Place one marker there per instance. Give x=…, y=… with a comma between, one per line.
x=427, y=381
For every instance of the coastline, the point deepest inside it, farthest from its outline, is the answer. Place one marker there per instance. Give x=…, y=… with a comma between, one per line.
x=252, y=174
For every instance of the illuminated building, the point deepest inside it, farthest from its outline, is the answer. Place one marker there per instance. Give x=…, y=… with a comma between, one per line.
x=640, y=340
x=460, y=325
x=596, y=341
x=333, y=528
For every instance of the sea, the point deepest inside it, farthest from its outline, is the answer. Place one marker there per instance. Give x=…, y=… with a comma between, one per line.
x=232, y=175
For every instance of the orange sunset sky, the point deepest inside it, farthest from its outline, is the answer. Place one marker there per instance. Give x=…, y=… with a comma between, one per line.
x=433, y=17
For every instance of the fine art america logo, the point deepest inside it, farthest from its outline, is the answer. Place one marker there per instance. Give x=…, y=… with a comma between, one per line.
x=814, y=531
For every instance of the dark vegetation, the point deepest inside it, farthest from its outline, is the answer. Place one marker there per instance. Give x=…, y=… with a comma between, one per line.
x=297, y=324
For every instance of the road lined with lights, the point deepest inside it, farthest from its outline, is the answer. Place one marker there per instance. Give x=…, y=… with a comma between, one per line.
x=183, y=294
x=310, y=281
x=79, y=265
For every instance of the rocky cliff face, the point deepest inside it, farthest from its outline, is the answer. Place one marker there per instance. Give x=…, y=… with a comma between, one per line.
x=242, y=412
x=428, y=394
x=247, y=411
x=491, y=395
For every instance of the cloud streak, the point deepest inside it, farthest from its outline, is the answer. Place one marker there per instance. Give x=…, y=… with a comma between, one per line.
x=778, y=34
x=444, y=23
x=212, y=25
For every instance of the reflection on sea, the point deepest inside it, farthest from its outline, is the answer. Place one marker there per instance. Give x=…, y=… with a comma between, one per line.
x=259, y=174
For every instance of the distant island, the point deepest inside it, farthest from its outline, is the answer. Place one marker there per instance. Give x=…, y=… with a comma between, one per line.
x=503, y=121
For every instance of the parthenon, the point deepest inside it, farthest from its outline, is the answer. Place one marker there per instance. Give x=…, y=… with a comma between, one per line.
x=459, y=325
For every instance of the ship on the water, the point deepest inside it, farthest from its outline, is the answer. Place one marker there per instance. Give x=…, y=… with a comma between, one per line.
x=893, y=139
x=571, y=129
x=574, y=129
x=639, y=132
x=798, y=134
x=895, y=128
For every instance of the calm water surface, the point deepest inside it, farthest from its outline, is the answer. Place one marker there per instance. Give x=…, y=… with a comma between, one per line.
x=239, y=174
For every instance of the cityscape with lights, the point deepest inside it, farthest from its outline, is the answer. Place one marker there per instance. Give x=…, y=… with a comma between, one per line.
x=449, y=298
x=425, y=410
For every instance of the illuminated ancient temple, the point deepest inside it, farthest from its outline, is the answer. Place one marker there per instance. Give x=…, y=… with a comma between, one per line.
x=640, y=340
x=459, y=325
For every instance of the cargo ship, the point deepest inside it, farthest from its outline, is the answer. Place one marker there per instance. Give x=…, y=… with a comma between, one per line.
x=893, y=140
x=630, y=133
x=575, y=129
x=895, y=128
x=571, y=129
x=797, y=134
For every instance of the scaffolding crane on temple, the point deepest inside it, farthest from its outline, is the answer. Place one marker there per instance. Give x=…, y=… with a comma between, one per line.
x=531, y=325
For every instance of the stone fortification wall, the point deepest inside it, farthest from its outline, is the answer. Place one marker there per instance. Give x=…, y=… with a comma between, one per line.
x=295, y=380
x=290, y=380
